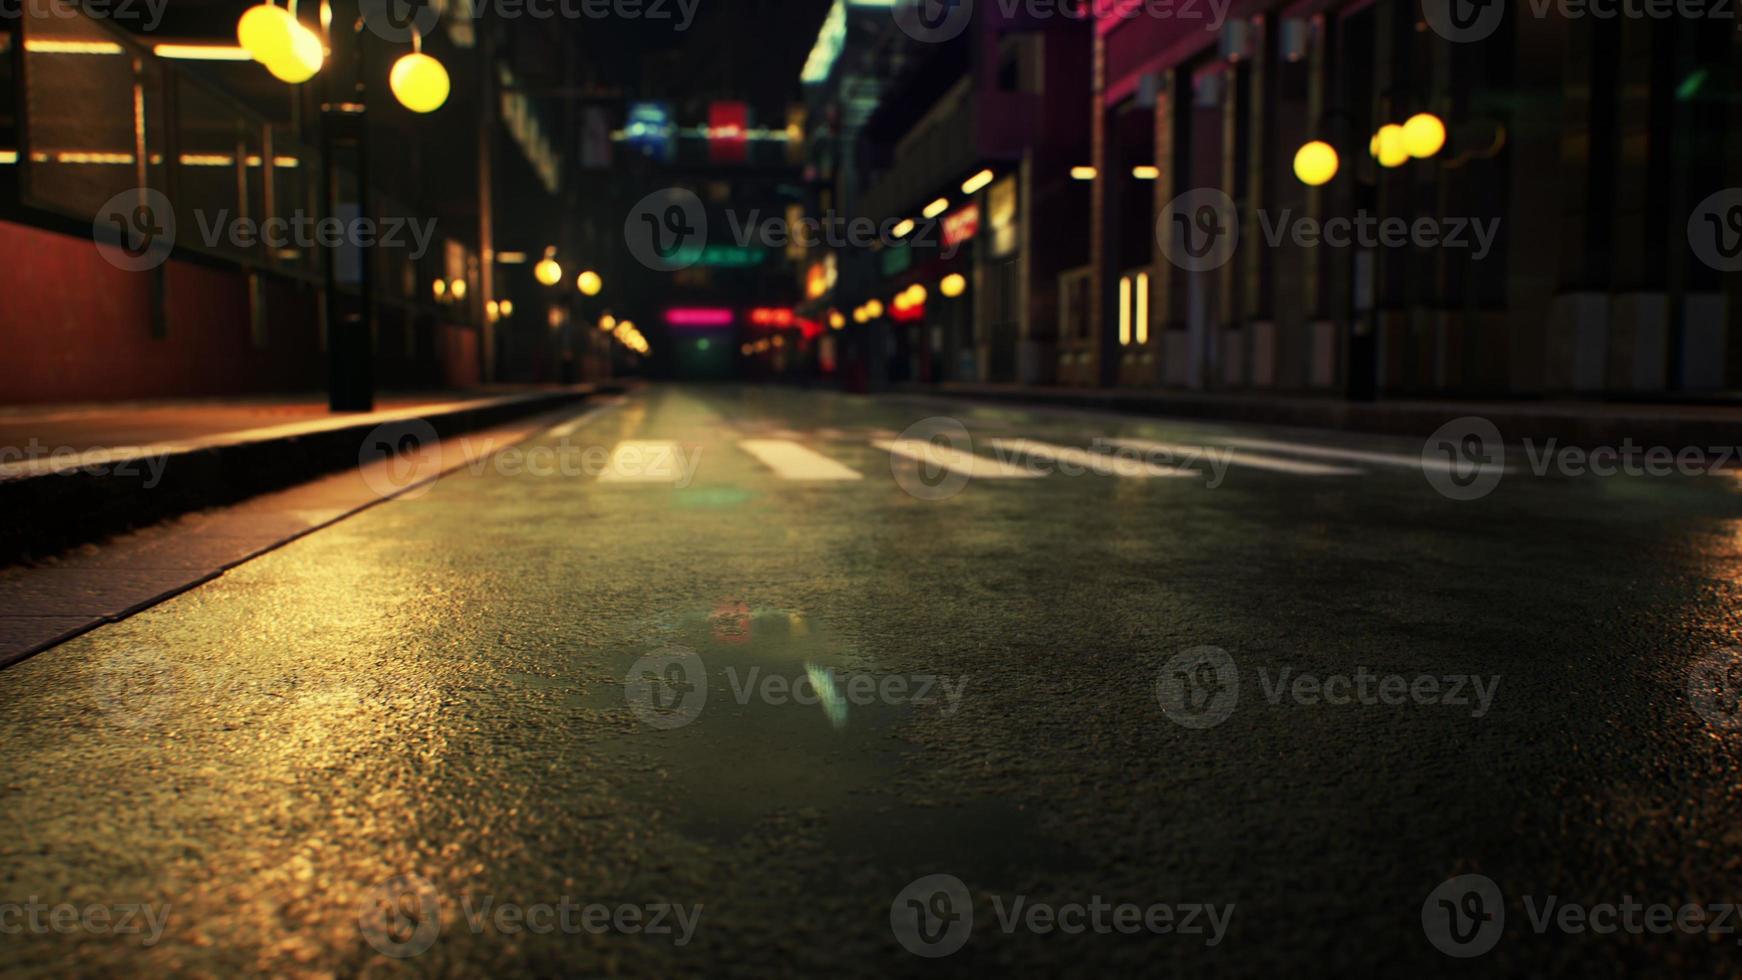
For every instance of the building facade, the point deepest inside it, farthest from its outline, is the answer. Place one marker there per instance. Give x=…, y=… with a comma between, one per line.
x=1570, y=233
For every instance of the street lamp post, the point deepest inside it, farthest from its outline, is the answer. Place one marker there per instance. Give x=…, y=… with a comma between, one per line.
x=486, y=183
x=294, y=54
x=350, y=318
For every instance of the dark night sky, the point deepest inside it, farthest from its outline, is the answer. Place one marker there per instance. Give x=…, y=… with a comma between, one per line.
x=748, y=49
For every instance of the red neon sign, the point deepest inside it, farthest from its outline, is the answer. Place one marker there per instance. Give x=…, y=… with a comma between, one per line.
x=961, y=225
x=770, y=316
x=728, y=132
x=698, y=316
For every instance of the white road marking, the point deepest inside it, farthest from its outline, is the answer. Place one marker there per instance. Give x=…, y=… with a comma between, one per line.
x=1404, y=460
x=954, y=460
x=1188, y=453
x=643, y=461
x=568, y=428
x=791, y=461
x=1102, y=464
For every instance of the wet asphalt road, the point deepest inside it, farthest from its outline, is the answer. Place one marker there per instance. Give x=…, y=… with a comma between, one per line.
x=405, y=745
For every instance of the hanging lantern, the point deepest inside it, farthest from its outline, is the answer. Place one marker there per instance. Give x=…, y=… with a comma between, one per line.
x=265, y=33
x=420, y=83
x=304, y=58
x=1315, y=163
x=547, y=271
x=1389, y=147
x=1423, y=135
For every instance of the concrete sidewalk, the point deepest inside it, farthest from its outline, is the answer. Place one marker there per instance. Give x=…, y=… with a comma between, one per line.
x=74, y=475
x=1572, y=423
x=84, y=587
x=42, y=429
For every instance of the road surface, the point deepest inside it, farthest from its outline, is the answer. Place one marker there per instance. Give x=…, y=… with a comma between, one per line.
x=729, y=681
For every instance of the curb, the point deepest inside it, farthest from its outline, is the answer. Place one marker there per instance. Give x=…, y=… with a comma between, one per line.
x=47, y=513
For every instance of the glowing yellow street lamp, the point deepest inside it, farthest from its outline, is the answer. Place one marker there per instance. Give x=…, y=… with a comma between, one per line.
x=874, y=309
x=953, y=285
x=1423, y=135
x=301, y=60
x=457, y=289
x=548, y=272
x=1389, y=147
x=1315, y=163
x=589, y=283
x=419, y=82
x=265, y=32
